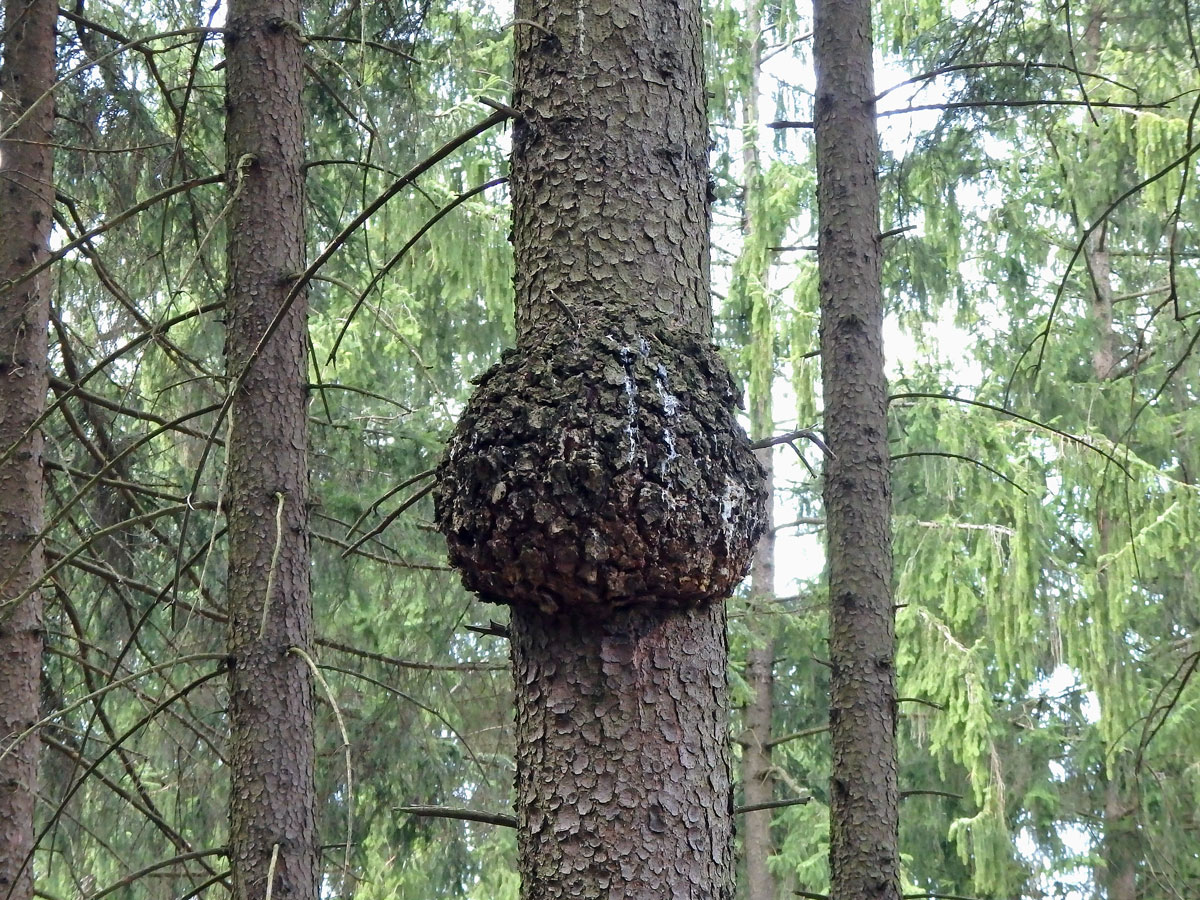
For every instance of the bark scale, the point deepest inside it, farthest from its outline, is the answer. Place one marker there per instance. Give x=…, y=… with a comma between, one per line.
x=272, y=792
x=598, y=483
x=26, y=216
x=864, y=860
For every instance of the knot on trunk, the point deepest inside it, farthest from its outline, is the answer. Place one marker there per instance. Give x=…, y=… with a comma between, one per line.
x=600, y=469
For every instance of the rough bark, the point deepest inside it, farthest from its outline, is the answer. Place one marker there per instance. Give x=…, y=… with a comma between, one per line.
x=270, y=693
x=597, y=469
x=623, y=779
x=26, y=216
x=598, y=482
x=863, y=792
x=1120, y=848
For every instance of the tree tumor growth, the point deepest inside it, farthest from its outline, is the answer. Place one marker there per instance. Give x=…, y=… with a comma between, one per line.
x=600, y=468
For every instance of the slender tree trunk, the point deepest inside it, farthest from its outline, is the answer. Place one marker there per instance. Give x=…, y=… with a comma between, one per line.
x=758, y=780
x=597, y=482
x=863, y=850
x=273, y=839
x=1120, y=849
x=26, y=215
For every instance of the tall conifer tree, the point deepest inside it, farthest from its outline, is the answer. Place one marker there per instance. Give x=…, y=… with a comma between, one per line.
x=864, y=852
x=598, y=483
x=273, y=839
x=26, y=216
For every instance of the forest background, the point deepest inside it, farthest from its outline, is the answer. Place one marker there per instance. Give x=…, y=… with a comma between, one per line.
x=1039, y=206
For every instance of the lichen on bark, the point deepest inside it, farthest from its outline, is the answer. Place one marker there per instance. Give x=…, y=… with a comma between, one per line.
x=600, y=468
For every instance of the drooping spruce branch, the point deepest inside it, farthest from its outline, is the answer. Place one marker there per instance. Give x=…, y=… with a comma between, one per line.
x=977, y=462
x=400, y=254
x=1042, y=338
x=108, y=224
x=991, y=104
x=315, y=266
x=933, y=74
x=1065, y=435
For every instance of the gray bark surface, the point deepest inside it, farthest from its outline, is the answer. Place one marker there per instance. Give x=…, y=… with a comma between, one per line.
x=623, y=772
x=272, y=794
x=610, y=163
x=26, y=216
x=864, y=858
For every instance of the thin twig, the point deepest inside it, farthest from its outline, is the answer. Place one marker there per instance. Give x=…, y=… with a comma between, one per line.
x=280, y=497
x=463, y=815
x=791, y=437
x=1065, y=435
x=771, y=804
x=109, y=224
x=922, y=793
x=942, y=453
x=271, y=870
x=795, y=735
x=388, y=519
x=337, y=713
x=400, y=254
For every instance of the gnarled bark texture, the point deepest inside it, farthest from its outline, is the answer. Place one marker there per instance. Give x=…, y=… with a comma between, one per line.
x=270, y=692
x=598, y=482
x=863, y=851
x=26, y=215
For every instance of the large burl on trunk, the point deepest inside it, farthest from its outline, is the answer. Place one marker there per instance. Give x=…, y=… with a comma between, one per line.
x=598, y=482
x=602, y=468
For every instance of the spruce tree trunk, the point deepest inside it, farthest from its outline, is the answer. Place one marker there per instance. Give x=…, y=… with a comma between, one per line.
x=758, y=779
x=26, y=215
x=1120, y=847
x=598, y=483
x=272, y=802
x=863, y=849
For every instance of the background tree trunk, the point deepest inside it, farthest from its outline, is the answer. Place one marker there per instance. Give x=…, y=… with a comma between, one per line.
x=758, y=779
x=1120, y=850
x=272, y=801
x=26, y=216
x=863, y=849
